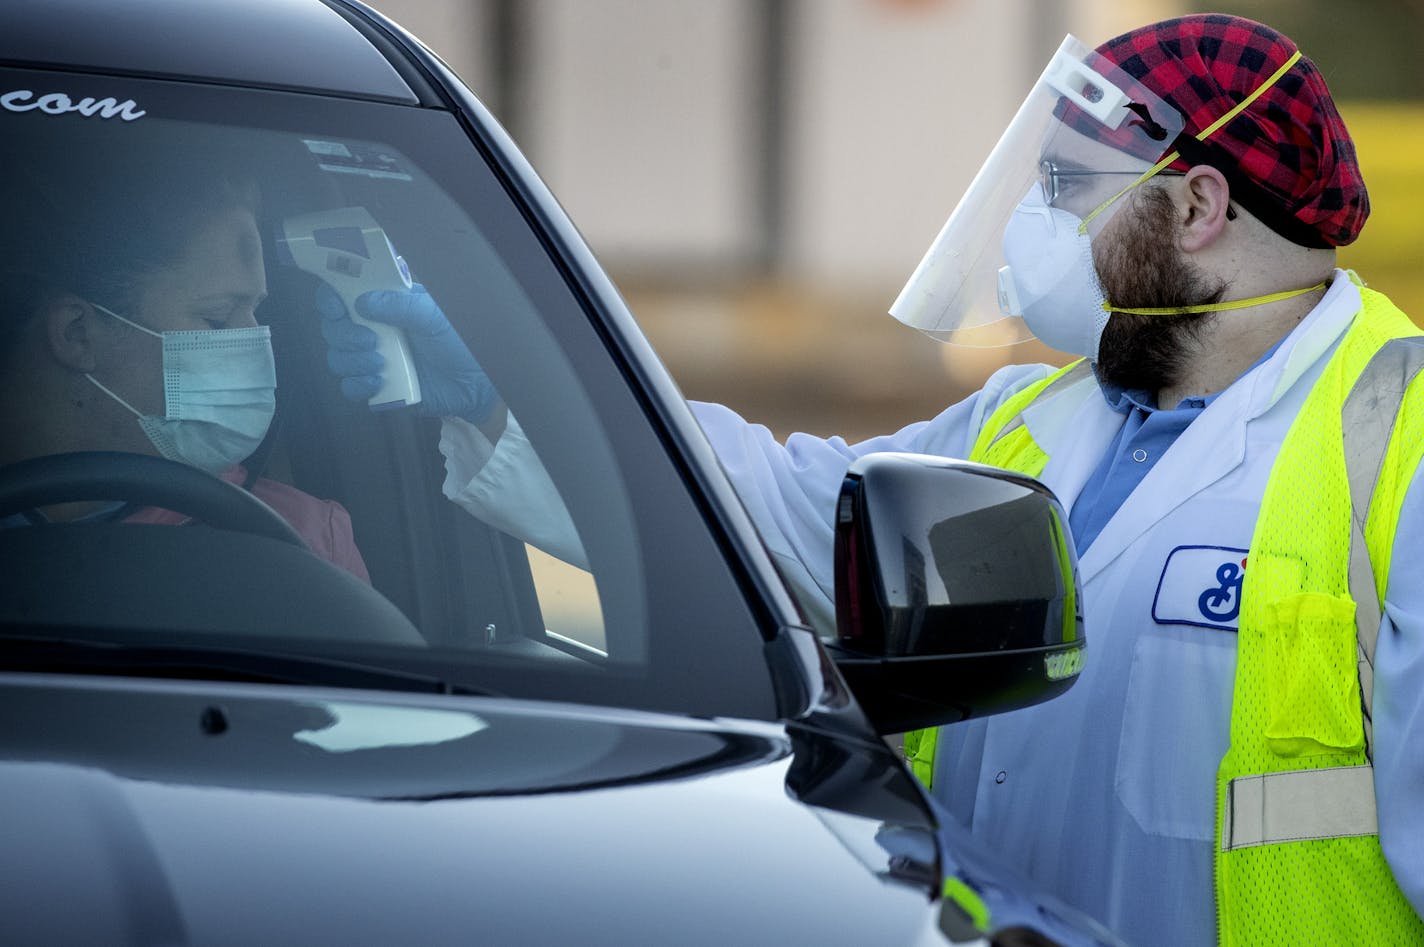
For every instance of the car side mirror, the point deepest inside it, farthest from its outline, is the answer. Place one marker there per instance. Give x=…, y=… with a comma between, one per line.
x=957, y=591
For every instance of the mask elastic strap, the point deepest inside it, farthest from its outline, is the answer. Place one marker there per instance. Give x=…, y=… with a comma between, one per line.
x=1201, y=136
x=1215, y=307
x=109, y=312
x=100, y=385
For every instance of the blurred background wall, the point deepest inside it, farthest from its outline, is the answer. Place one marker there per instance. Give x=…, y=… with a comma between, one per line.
x=760, y=177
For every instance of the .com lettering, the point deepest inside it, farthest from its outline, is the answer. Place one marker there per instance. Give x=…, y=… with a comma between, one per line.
x=57, y=103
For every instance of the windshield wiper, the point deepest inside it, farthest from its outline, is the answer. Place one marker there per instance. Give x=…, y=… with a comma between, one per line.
x=209, y=663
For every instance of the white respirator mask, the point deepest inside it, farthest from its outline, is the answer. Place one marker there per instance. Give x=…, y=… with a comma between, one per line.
x=1049, y=280
x=219, y=393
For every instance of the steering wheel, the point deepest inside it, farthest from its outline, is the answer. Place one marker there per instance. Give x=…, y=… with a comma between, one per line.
x=141, y=479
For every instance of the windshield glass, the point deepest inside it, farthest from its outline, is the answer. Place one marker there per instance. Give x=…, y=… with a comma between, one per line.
x=336, y=308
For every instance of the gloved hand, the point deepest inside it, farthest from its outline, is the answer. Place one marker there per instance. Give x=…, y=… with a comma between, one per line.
x=452, y=383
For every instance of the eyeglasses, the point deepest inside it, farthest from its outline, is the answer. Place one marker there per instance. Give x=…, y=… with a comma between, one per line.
x=1050, y=178
x=1058, y=182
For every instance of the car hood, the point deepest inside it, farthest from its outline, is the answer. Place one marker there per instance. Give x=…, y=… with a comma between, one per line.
x=174, y=812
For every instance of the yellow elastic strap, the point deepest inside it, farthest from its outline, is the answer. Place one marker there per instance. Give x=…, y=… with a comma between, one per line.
x=1150, y=173
x=1275, y=77
x=1215, y=307
x=1201, y=136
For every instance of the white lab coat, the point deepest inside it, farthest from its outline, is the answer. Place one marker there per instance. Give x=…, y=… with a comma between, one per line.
x=1106, y=794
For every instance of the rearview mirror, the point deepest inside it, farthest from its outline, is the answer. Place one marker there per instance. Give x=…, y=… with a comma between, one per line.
x=957, y=591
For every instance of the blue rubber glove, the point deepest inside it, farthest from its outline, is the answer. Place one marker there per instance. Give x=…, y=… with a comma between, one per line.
x=452, y=383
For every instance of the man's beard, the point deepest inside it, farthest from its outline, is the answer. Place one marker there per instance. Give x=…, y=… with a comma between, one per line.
x=1142, y=267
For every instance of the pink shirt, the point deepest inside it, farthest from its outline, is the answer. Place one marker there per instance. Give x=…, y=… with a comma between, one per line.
x=324, y=524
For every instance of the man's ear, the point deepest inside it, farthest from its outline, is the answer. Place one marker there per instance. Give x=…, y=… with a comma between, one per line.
x=1205, y=207
x=69, y=327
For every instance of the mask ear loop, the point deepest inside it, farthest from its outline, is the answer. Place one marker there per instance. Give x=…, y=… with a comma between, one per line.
x=1201, y=136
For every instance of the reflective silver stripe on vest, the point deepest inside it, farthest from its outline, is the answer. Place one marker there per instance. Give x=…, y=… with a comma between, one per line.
x=1368, y=419
x=1074, y=375
x=1299, y=805
x=1337, y=802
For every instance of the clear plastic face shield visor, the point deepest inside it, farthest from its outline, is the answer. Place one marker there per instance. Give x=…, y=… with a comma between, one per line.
x=1087, y=134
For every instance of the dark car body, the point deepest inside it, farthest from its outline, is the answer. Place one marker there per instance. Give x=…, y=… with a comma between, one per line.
x=725, y=784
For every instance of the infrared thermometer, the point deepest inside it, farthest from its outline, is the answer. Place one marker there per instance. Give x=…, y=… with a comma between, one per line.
x=348, y=250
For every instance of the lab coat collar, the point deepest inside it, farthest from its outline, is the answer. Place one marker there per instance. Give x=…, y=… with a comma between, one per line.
x=1317, y=334
x=1074, y=429
x=1076, y=433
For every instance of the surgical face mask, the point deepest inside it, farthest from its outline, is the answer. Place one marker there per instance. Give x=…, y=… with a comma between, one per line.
x=1050, y=280
x=219, y=393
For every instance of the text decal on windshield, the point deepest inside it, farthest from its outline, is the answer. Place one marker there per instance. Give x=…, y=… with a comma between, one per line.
x=57, y=103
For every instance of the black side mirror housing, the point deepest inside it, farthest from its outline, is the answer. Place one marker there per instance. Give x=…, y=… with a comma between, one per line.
x=957, y=591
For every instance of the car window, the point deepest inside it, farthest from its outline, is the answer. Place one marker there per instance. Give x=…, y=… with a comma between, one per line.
x=467, y=445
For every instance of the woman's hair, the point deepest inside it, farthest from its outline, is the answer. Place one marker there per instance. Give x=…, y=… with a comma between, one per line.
x=97, y=222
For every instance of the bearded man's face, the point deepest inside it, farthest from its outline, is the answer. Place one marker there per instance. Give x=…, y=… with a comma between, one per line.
x=1140, y=265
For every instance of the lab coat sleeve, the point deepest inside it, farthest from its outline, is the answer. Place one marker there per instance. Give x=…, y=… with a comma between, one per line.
x=1399, y=703
x=505, y=485
x=790, y=490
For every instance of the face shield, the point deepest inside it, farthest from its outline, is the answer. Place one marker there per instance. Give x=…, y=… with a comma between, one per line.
x=1085, y=136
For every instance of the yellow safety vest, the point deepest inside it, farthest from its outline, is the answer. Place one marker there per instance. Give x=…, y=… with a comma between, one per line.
x=1297, y=858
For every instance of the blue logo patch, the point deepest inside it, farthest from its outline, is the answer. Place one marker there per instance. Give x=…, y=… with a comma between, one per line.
x=1201, y=585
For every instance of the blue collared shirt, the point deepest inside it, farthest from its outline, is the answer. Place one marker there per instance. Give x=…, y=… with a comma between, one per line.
x=1143, y=439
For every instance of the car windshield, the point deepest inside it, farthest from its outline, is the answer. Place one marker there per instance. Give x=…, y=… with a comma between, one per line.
x=338, y=308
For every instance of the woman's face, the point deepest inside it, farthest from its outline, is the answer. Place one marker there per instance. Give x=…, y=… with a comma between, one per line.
x=217, y=284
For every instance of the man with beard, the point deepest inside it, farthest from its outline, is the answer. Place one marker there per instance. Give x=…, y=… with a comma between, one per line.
x=1239, y=760
x=1238, y=448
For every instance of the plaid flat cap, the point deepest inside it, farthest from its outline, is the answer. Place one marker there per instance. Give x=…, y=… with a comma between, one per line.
x=1288, y=157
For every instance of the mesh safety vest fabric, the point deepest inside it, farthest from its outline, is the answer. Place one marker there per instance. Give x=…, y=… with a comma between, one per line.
x=1296, y=705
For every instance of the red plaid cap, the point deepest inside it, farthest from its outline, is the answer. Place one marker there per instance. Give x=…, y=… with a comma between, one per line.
x=1290, y=146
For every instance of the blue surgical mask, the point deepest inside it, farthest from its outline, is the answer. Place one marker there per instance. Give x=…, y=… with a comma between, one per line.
x=219, y=393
